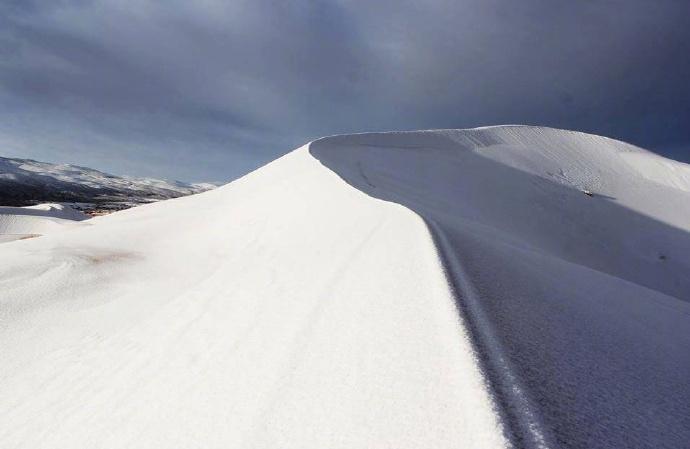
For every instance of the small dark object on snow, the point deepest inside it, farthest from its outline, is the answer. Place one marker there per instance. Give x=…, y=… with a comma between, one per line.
x=588, y=193
x=662, y=257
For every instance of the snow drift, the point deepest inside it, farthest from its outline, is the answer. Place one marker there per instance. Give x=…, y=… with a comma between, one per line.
x=18, y=223
x=430, y=289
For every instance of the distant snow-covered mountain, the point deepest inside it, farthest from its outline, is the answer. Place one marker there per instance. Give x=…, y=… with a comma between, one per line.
x=25, y=181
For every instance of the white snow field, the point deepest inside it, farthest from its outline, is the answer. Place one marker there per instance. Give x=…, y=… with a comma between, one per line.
x=438, y=289
x=18, y=223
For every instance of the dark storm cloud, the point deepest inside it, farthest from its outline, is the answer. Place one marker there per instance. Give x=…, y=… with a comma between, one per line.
x=211, y=89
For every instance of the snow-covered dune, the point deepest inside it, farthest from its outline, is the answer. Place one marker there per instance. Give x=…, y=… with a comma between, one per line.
x=18, y=223
x=278, y=311
x=577, y=303
x=431, y=289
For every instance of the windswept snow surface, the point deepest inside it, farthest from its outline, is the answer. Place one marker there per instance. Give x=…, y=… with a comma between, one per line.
x=407, y=290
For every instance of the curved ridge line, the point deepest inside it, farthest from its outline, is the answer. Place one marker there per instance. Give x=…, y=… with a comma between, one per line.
x=521, y=422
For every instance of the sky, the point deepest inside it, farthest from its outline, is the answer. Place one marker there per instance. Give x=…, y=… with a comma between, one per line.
x=208, y=90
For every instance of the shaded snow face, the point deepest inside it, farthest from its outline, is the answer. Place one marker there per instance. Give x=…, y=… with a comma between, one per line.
x=577, y=303
x=528, y=184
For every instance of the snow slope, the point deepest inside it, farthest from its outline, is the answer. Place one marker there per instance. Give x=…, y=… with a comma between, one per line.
x=18, y=223
x=576, y=304
x=277, y=311
x=430, y=289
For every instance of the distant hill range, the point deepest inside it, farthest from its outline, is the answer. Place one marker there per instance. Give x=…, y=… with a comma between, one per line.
x=25, y=182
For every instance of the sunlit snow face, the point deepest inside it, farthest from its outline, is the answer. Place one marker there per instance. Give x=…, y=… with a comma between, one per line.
x=209, y=90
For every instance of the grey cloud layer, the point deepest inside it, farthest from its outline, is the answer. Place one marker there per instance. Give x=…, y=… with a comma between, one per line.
x=212, y=89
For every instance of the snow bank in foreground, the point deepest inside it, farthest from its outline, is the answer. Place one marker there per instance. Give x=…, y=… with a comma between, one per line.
x=281, y=310
x=487, y=302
